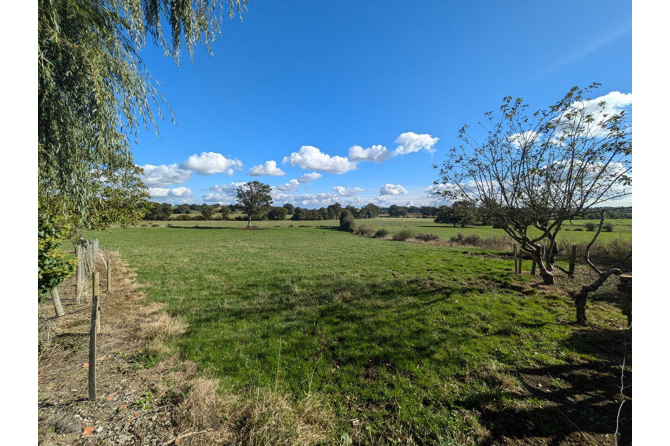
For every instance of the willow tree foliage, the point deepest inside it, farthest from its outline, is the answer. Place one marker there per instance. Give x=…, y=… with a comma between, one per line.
x=95, y=94
x=531, y=172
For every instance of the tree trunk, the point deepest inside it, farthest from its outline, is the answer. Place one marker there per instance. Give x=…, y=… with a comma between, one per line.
x=580, y=298
x=55, y=298
x=249, y=222
x=547, y=277
x=545, y=271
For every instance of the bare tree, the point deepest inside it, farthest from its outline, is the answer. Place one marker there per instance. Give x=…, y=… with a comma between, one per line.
x=534, y=171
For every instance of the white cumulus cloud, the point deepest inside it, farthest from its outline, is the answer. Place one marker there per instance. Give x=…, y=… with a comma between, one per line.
x=376, y=153
x=177, y=192
x=227, y=189
x=347, y=192
x=290, y=186
x=306, y=178
x=208, y=163
x=392, y=189
x=269, y=168
x=411, y=142
x=311, y=158
x=164, y=175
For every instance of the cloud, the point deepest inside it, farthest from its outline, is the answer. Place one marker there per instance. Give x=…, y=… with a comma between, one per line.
x=306, y=178
x=347, y=192
x=290, y=186
x=181, y=192
x=223, y=193
x=311, y=158
x=392, y=189
x=269, y=168
x=411, y=142
x=208, y=163
x=177, y=192
x=164, y=175
x=227, y=189
x=376, y=153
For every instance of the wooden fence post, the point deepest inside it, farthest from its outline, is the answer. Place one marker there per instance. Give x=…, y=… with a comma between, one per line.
x=91, y=349
x=516, y=260
x=55, y=298
x=573, y=260
x=109, y=271
x=533, y=267
x=80, y=273
x=96, y=292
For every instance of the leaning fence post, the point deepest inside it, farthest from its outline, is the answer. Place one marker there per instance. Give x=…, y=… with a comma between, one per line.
x=91, y=349
x=573, y=260
x=55, y=298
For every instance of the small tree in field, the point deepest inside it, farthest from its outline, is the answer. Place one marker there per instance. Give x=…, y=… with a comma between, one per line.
x=254, y=199
x=534, y=171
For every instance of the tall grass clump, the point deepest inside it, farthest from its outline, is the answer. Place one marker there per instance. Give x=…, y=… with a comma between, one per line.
x=381, y=233
x=366, y=231
x=426, y=237
x=471, y=240
x=403, y=235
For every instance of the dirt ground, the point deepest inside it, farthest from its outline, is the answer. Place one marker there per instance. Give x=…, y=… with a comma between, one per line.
x=134, y=405
x=140, y=405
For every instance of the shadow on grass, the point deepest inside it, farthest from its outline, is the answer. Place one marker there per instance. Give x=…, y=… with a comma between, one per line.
x=217, y=227
x=574, y=403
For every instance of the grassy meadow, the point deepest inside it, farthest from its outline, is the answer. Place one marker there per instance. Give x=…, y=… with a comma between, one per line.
x=406, y=343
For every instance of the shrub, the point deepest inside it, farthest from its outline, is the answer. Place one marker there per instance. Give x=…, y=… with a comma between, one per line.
x=403, y=235
x=381, y=233
x=347, y=221
x=183, y=217
x=472, y=240
x=155, y=225
x=608, y=227
x=366, y=231
x=427, y=237
x=590, y=226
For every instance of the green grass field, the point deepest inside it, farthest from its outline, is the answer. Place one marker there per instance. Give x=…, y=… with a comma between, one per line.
x=575, y=230
x=403, y=341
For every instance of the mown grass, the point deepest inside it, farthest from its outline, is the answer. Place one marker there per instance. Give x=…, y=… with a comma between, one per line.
x=394, y=335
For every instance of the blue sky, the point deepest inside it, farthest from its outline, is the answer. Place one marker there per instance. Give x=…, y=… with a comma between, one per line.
x=301, y=83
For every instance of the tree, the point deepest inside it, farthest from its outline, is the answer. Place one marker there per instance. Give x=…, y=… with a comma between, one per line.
x=334, y=211
x=255, y=199
x=225, y=212
x=95, y=93
x=289, y=208
x=347, y=222
x=464, y=212
x=370, y=210
x=398, y=211
x=277, y=213
x=602, y=276
x=207, y=211
x=532, y=172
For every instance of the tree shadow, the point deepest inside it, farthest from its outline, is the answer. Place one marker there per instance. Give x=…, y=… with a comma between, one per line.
x=578, y=402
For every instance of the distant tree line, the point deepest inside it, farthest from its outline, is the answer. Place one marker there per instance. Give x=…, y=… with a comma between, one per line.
x=460, y=213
